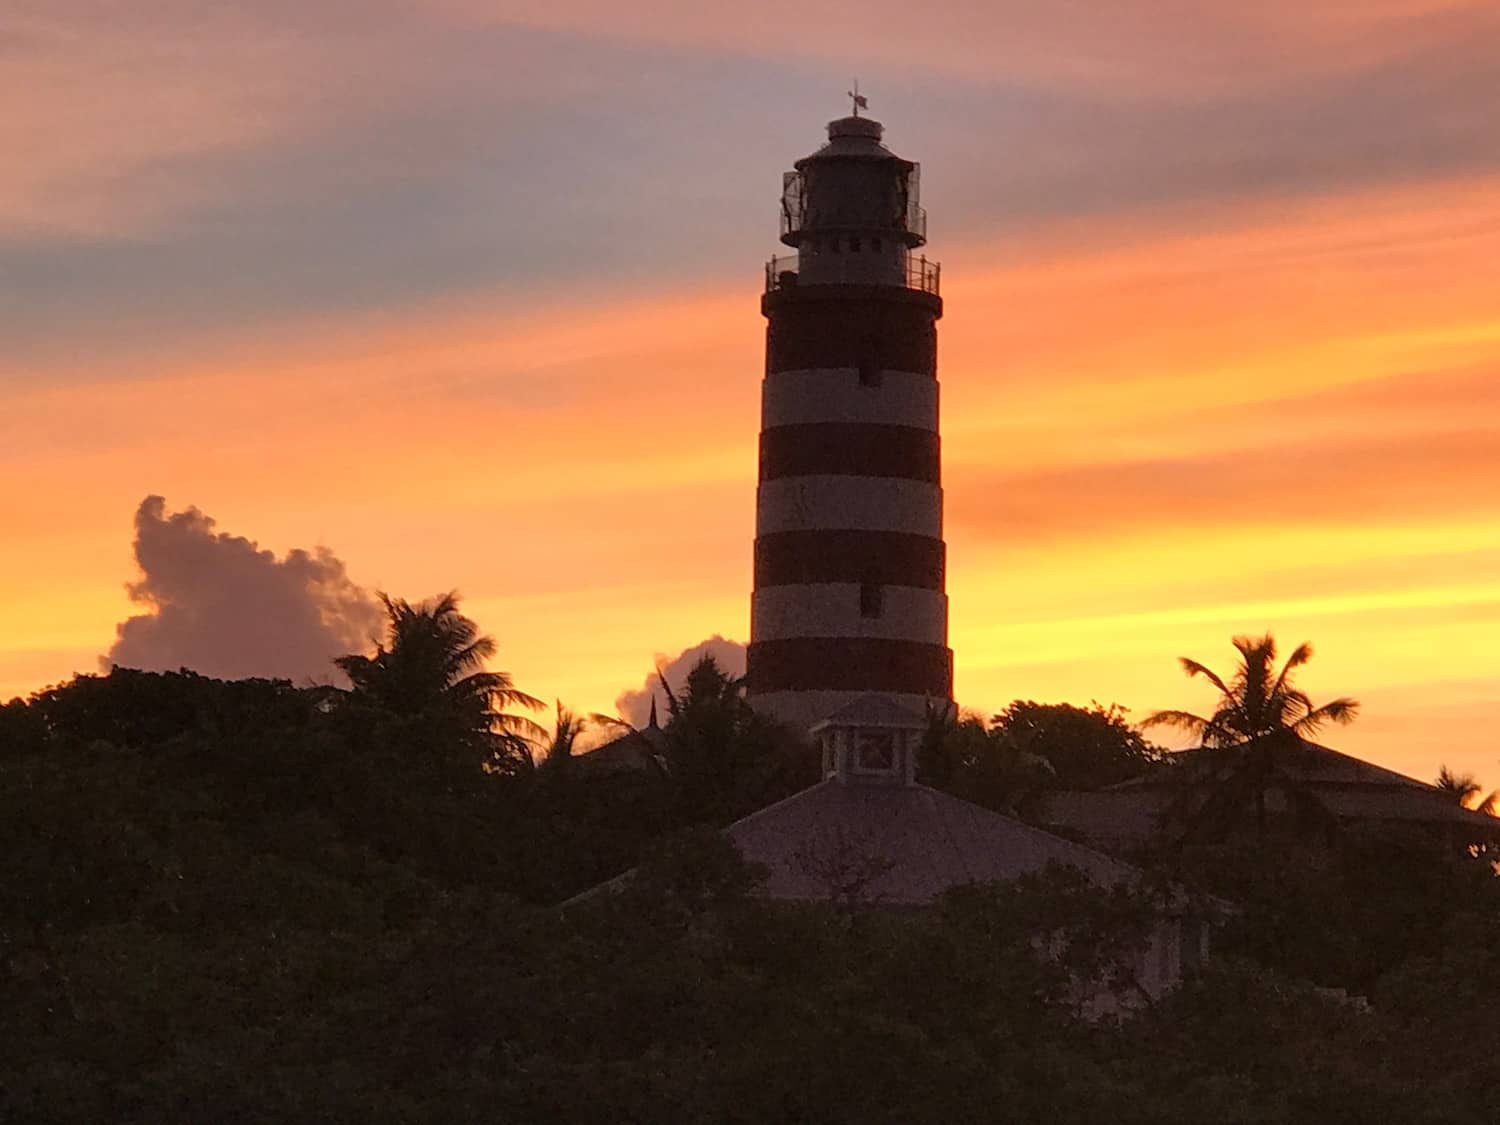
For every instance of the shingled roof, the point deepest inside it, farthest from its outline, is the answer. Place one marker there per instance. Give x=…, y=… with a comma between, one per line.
x=632, y=752
x=872, y=710
x=1305, y=761
x=1353, y=790
x=905, y=845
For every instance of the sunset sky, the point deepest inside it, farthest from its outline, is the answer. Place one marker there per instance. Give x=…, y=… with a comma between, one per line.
x=467, y=294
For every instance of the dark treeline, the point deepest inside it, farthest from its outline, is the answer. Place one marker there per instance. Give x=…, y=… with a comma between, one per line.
x=249, y=901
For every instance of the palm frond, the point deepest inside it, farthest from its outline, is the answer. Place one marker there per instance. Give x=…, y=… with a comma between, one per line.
x=1300, y=656
x=513, y=697
x=472, y=654
x=1459, y=786
x=1253, y=649
x=1181, y=720
x=569, y=727
x=519, y=726
x=1299, y=698
x=674, y=705
x=1340, y=711
x=599, y=719
x=1194, y=668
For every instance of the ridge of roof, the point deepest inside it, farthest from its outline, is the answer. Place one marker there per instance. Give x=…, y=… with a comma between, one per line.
x=1358, y=771
x=873, y=710
x=918, y=841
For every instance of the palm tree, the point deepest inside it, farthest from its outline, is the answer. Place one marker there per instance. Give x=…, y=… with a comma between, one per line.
x=1459, y=787
x=429, y=676
x=1258, y=701
x=722, y=756
x=565, y=734
x=1263, y=718
x=707, y=690
x=1464, y=788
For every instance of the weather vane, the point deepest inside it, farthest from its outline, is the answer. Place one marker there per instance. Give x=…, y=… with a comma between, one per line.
x=860, y=101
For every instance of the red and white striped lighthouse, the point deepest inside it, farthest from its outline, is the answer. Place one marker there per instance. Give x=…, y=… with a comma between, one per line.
x=849, y=557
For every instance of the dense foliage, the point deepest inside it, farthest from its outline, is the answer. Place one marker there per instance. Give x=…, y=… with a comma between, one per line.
x=253, y=902
x=1030, y=747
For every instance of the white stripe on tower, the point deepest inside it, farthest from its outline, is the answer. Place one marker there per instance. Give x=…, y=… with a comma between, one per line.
x=820, y=503
x=899, y=398
x=834, y=610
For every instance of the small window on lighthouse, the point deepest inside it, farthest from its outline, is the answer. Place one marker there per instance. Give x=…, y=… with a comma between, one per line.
x=871, y=599
x=854, y=244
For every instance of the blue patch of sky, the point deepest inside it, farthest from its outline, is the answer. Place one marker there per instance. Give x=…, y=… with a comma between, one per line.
x=660, y=170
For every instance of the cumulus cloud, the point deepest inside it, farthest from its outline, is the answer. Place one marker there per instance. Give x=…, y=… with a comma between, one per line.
x=635, y=706
x=220, y=605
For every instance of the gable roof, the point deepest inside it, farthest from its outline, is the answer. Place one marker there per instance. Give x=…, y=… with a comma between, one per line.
x=911, y=844
x=873, y=710
x=1351, y=789
x=1306, y=762
x=635, y=750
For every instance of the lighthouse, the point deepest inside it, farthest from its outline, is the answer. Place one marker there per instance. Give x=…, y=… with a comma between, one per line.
x=849, y=597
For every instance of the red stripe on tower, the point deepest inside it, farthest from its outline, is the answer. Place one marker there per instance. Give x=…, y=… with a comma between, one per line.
x=849, y=554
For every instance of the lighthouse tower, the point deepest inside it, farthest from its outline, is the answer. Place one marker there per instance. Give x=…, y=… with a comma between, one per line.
x=849, y=559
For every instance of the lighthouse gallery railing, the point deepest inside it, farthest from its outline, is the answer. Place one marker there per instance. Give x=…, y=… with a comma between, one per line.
x=921, y=274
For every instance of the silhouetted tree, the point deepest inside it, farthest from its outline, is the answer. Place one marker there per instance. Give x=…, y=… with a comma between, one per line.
x=1464, y=788
x=723, y=757
x=128, y=708
x=1087, y=747
x=1260, y=723
x=429, y=677
x=22, y=730
x=566, y=731
x=952, y=742
x=975, y=761
x=204, y=915
x=1257, y=701
x=1029, y=747
x=1459, y=787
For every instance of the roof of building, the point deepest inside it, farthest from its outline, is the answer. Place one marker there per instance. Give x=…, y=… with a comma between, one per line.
x=1307, y=762
x=1107, y=815
x=1349, y=788
x=904, y=845
x=853, y=136
x=636, y=750
x=873, y=710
